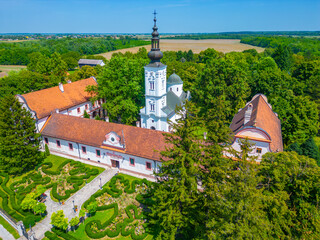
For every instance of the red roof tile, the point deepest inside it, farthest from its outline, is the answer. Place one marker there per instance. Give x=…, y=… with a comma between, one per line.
x=140, y=142
x=46, y=101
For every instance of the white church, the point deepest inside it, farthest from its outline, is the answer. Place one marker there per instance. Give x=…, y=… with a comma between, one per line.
x=162, y=95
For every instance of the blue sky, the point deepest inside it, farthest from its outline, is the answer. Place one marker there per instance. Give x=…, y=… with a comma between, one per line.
x=177, y=16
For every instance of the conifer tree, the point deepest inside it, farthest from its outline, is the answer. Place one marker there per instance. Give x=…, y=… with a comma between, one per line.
x=19, y=142
x=178, y=201
x=310, y=149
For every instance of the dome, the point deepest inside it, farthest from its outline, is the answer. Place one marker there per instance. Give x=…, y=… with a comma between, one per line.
x=174, y=79
x=155, y=56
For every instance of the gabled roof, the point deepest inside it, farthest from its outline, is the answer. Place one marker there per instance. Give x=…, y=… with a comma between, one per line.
x=90, y=61
x=46, y=101
x=140, y=142
x=262, y=117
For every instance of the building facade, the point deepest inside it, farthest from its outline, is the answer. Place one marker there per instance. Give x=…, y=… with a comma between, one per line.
x=260, y=125
x=132, y=150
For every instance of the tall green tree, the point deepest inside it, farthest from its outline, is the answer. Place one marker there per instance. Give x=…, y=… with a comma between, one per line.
x=310, y=149
x=19, y=141
x=290, y=181
x=177, y=211
x=283, y=57
x=121, y=84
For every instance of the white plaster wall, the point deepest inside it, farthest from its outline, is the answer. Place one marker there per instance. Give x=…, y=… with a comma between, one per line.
x=105, y=158
x=265, y=147
x=176, y=88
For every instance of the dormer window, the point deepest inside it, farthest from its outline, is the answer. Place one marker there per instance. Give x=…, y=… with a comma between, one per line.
x=114, y=140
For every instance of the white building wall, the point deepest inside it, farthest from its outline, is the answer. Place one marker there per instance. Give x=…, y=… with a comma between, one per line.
x=105, y=157
x=263, y=146
x=177, y=89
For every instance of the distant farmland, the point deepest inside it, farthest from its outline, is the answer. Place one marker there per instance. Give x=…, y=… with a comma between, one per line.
x=221, y=45
x=7, y=68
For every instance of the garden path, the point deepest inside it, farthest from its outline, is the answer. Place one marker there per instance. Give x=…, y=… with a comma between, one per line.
x=5, y=234
x=76, y=199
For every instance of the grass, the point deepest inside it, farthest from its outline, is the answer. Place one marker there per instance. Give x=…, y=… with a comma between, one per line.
x=9, y=228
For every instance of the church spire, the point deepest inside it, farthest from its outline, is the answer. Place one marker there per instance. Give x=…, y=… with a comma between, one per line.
x=155, y=54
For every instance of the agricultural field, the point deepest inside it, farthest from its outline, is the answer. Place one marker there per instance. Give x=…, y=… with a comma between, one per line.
x=5, y=69
x=120, y=212
x=221, y=45
x=63, y=176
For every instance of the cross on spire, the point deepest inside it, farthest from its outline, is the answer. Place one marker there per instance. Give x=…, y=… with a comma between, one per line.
x=155, y=13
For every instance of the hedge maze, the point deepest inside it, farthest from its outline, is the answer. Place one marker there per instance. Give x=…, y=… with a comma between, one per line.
x=129, y=201
x=70, y=173
x=132, y=222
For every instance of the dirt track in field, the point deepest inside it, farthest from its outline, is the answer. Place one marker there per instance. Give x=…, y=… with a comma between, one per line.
x=221, y=45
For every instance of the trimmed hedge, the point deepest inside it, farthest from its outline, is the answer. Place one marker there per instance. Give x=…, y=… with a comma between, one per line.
x=51, y=235
x=62, y=234
x=13, y=195
x=111, y=188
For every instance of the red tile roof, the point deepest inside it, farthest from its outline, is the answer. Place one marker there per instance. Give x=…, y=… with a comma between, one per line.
x=140, y=142
x=46, y=101
x=263, y=117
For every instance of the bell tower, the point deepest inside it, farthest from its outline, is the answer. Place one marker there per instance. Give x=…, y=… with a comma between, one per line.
x=155, y=72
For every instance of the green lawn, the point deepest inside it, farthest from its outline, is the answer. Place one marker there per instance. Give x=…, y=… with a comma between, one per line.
x=9, y=228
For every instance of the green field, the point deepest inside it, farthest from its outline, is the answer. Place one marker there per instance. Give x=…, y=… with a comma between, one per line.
x=9, y=228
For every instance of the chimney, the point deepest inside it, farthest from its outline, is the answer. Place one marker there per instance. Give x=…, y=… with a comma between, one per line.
x=61, y=87
x=57, y=110
x=247, y=115
x=107, y=119
x=205, y=135
x=138, y=123
x=69, y=81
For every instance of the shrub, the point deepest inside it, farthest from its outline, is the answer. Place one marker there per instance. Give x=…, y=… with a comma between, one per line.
x=47, y=151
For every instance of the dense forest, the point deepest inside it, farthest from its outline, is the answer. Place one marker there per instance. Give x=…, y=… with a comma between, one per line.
x=18, y=53
x=309, y=47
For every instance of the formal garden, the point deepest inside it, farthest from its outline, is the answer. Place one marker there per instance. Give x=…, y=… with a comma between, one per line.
x=20, y=196
x=116, y=211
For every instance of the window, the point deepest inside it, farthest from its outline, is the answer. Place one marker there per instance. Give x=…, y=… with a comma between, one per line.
x=162, y=84
x=98, y=153
x=86, y=106
x=84, y=149
x=78, y=110
x=132, y=161
x=259, y=150
x=94, y=104
x=152, y=107
x=171, y=89
x=71, y=146
x=58, y=143
x=46, y=140
x=151, y=85
x=177, y=89
x=148, y=165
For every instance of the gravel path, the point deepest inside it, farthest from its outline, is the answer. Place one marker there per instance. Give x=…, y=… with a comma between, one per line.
x=4, y=234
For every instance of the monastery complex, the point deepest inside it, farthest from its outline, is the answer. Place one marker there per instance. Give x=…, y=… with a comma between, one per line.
x=132, y=149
